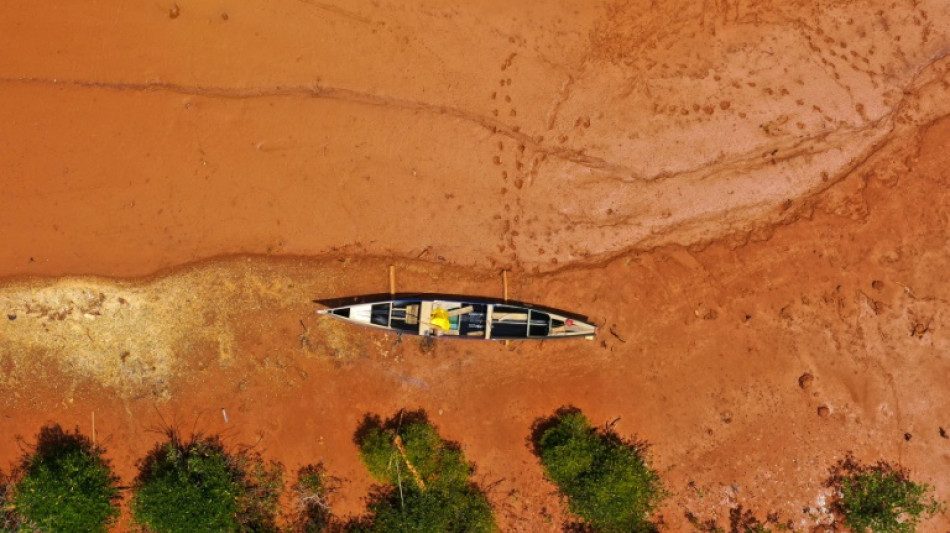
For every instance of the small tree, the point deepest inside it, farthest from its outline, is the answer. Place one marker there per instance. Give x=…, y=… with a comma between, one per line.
x=605, y=479
x=63, y=485
x=425, y=479
x=880, y=497
x=197, y=486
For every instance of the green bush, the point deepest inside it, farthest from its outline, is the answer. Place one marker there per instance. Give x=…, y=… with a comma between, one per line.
x=425, y=485
x=197, y=486
x=880, y=497
x=63, y=485
x=605, y=480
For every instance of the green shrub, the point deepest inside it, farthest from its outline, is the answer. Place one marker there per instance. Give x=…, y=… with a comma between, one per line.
x=880, y=497
x=605, y=480
x=63, y=485
x=197, y=486
x=425, y=485
x=261, y=485
x=428, y=510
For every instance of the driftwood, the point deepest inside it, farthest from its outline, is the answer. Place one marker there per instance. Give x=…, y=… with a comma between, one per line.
x=402, y=451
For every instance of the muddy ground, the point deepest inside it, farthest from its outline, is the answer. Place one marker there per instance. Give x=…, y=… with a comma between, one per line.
x=751, y=200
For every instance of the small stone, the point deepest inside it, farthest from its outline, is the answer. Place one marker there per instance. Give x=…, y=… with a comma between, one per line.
x=908, y=436
x=943, y=433
x=11, y=317
x=823, y=411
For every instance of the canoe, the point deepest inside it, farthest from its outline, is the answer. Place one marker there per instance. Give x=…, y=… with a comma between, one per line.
x=463, y=318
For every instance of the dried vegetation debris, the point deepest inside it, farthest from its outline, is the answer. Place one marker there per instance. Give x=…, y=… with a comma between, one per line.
x=128, y=337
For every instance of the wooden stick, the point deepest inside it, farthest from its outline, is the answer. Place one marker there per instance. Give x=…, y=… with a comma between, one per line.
x=461, y=311
x=504, y=282
x=392, y=280
x=402, y=451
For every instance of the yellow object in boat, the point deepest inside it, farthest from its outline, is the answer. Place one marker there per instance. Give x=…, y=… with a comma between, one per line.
x=440, y=319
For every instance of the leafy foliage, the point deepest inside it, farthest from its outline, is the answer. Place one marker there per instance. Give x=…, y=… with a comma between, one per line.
x=197, y=486
x=261, y=484
x=605, y=479
x=64, y=485
x=429, y=510
x=880, y=497
x=425, y=480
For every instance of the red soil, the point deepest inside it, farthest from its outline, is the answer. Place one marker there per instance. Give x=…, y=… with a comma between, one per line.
x=739, y=197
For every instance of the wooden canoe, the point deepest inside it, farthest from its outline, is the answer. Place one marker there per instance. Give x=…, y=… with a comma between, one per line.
x=463, y=318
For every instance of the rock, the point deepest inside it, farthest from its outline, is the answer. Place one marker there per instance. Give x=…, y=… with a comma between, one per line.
x=823, y=411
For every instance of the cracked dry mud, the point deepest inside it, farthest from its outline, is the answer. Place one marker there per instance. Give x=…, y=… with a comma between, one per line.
x=741, y=195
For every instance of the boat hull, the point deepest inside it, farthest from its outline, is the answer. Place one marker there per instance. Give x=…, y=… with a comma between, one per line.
x=464, y=319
